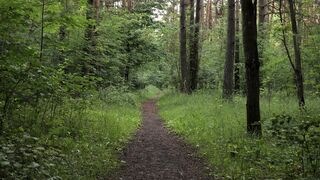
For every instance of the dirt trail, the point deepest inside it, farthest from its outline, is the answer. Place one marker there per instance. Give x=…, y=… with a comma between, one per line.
x=155, y=153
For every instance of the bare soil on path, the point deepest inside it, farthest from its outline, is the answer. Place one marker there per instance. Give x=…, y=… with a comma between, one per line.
x=157, y=153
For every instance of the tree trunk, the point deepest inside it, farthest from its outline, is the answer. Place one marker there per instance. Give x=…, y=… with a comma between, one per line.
x=249, y=26
x=297, y=54
x=42, y=29
x=229, y=62
x=191, y=38
x=237, y=49
x=210, y=17
x=90, y=32
x=130, y=5
x=62, y=34
x=184, y=83
x=263, y=12
x=194, y=49
x=262, y=20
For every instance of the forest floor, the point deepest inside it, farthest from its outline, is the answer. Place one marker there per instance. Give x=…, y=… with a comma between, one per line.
x=157, y=153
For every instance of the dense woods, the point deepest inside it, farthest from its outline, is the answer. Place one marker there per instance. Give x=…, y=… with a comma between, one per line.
x=238, y=79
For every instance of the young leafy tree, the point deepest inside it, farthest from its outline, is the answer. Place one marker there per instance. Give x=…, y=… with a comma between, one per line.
x=229, y=62
x=252, y=64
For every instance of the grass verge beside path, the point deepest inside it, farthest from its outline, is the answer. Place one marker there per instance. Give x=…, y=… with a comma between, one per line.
x=79, y=142
x=289, y=147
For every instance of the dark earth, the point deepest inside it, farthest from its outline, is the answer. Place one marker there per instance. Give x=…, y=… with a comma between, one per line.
x=156, y=153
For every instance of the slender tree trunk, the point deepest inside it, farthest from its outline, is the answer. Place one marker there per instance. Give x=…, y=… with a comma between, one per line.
x=96, y=9
x=91, y=15
x=130, y=5
x=194, y=50
x=249, y=26
x=90, y=32
x=263, y=11
x=184, y=84
x=229, y=62
x=62, y=33
x=42, y=30
x=262, y=20
x=297, y=54
x=210, y=17
x=191, y=37
x=237, y=49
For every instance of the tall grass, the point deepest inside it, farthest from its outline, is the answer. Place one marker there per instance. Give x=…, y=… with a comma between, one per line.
x=218, y=129
x=79, y=139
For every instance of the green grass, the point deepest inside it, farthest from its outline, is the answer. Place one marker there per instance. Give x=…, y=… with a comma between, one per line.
x=218, y=129
x=80, y=142
x=107, y=129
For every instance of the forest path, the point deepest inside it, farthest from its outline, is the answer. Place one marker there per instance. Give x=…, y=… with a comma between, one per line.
x=155, y=153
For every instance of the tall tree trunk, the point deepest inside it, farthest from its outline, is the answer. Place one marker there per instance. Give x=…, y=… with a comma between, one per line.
x=194, y=50
x=62, y=33
x=262, y=20
x=263, y=12
x=90, y=32
x=249, y=26
x=130, y=5
x=42, y=29
x=237, y=49
x=210, y=17
x=191, y=33
x=297, y=54
x=96, y=9
x=184, y=84
x=229, y=62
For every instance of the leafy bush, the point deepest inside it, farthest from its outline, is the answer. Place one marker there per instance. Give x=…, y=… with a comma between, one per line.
x=23, y=156
x=304, y=134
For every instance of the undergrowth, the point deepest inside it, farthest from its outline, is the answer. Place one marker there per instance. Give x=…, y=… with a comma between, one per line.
x=289, y=148
x=77, y=139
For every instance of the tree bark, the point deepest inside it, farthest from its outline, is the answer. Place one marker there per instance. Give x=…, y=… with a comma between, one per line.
x=194, y=50
x=229, y=62
x=249, y=26
x=210, y=17
x=263, y=12
x=62, y=33
x=184, y=83
x=262, y=20
x=297, y=54
x=237, y=49
x=90, y=32
x=42, y=30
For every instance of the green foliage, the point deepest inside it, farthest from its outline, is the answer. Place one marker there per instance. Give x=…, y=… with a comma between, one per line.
x=218, y=129
x=23, y=156
x=76, y=106
x=150, y=92
x=80, y=136
x=304, y=135
x=73, y=108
